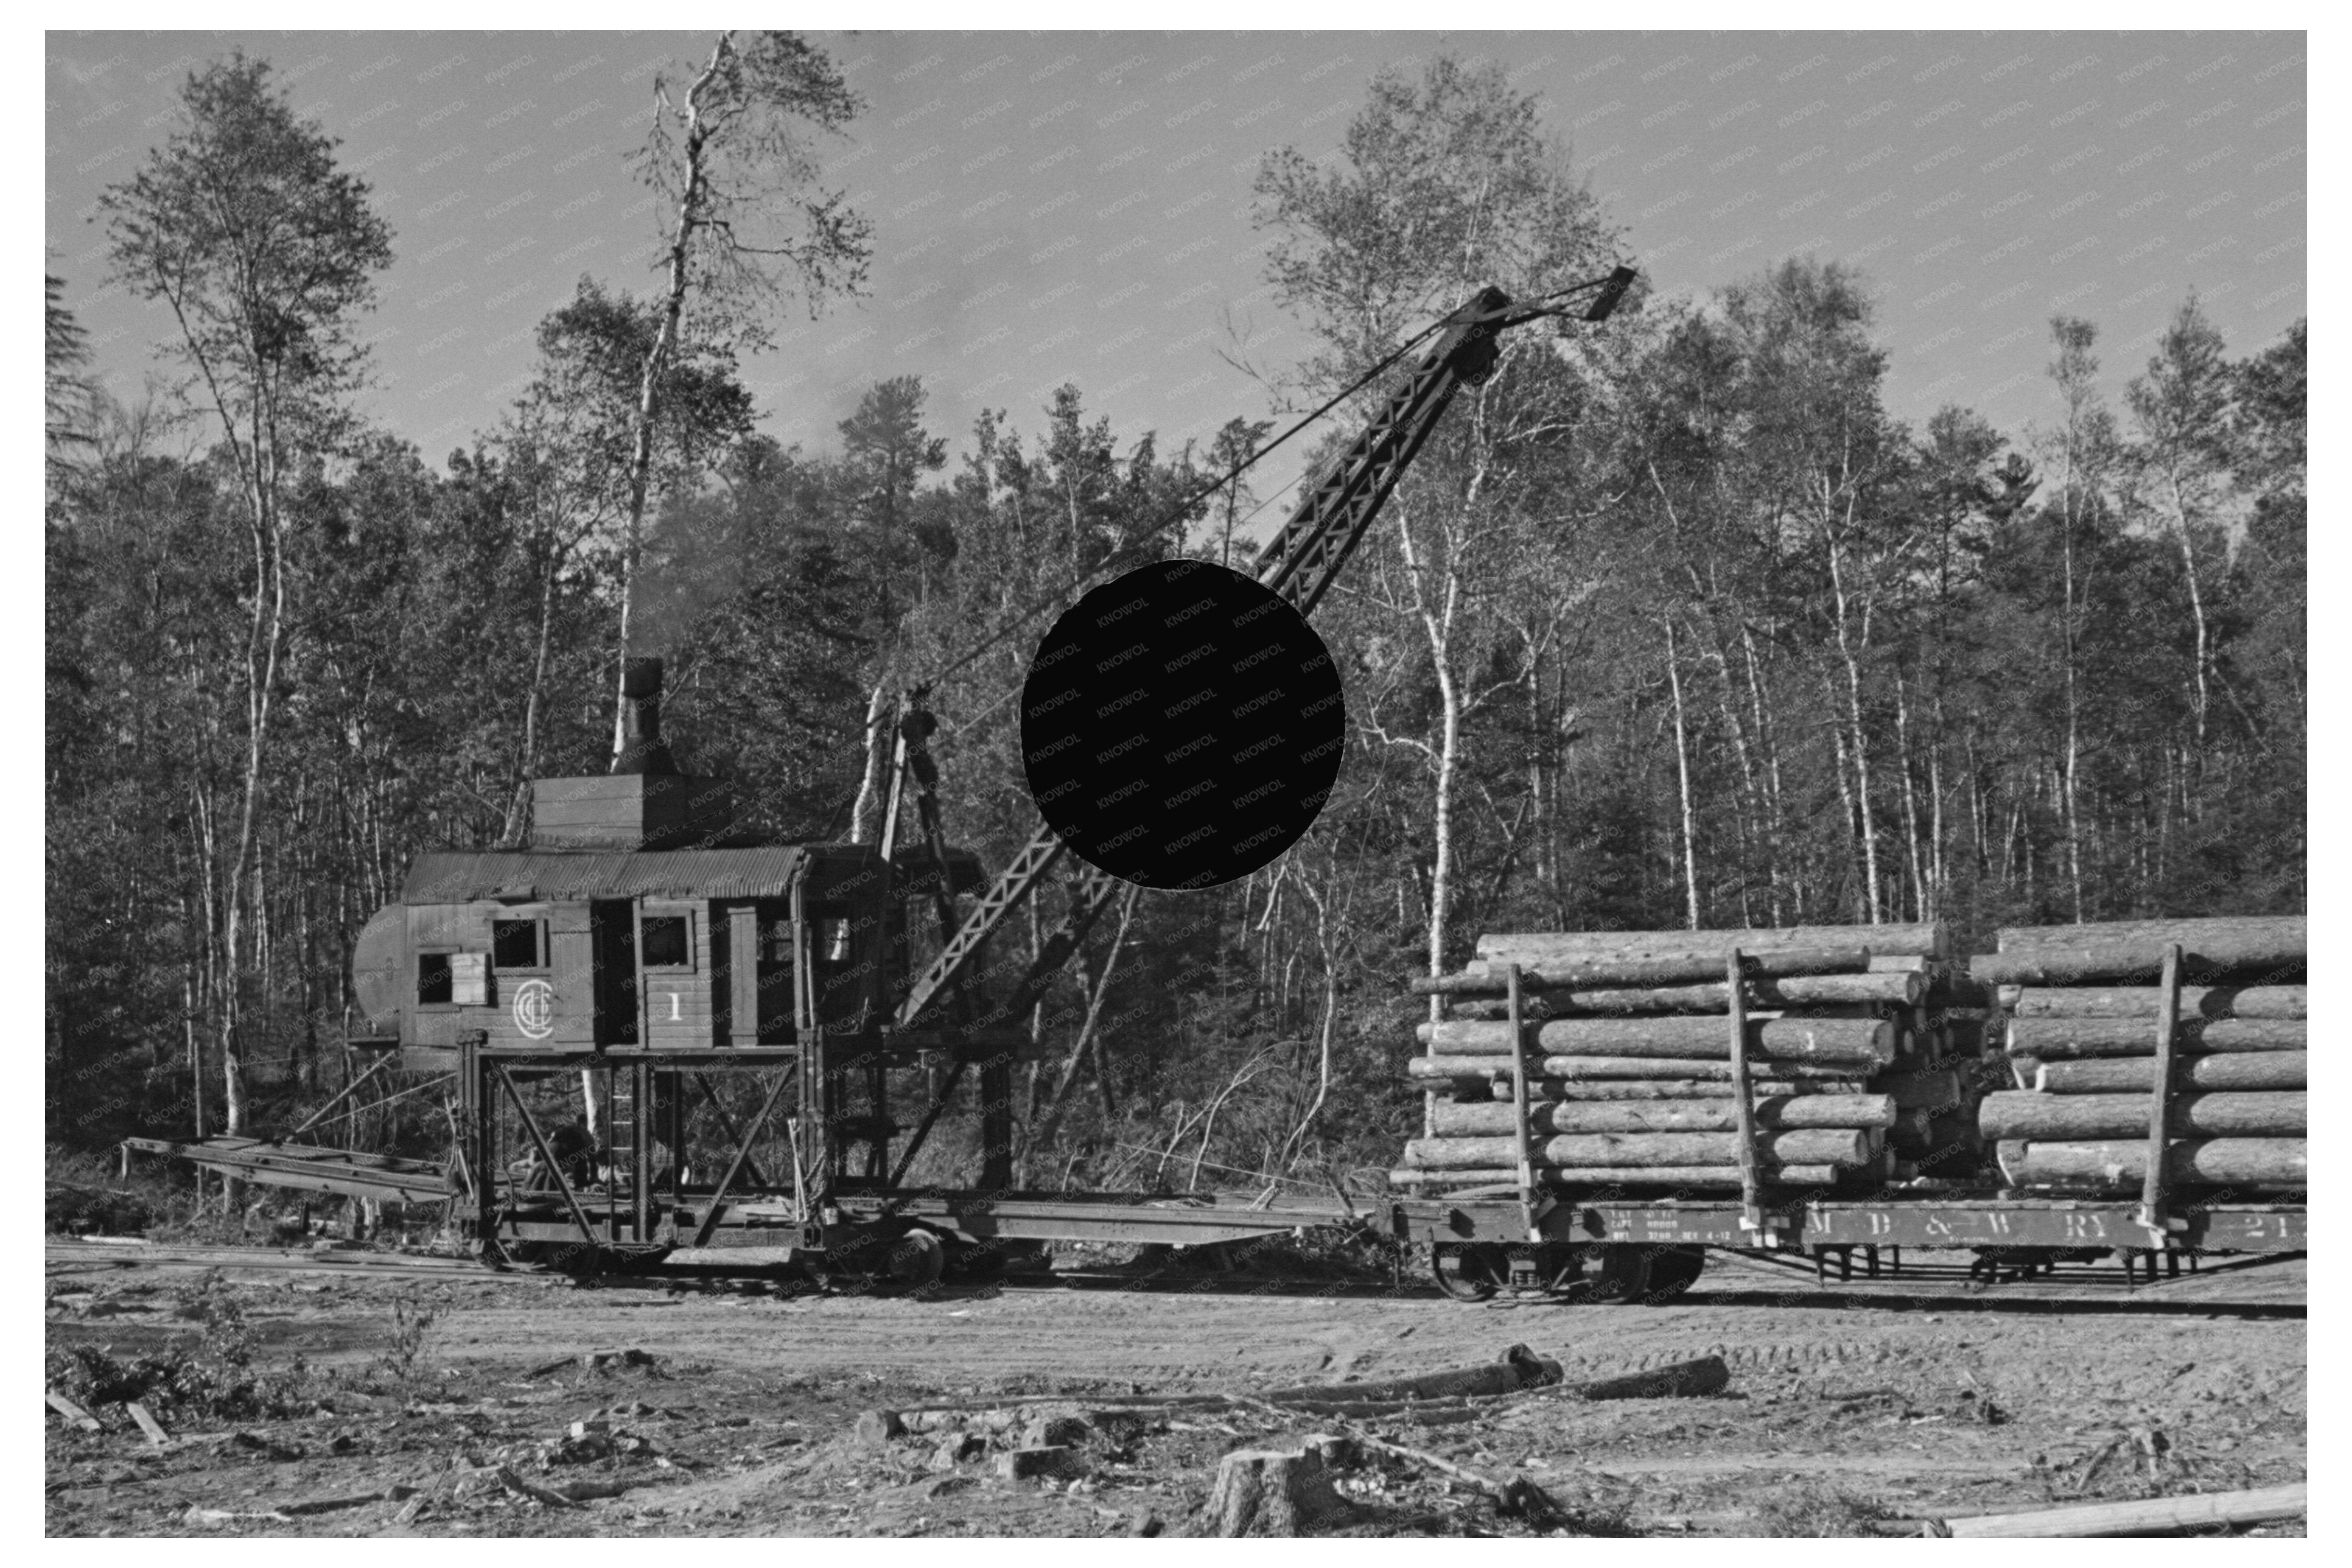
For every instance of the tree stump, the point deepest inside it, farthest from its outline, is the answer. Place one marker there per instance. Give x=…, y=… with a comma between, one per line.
x=1276, y=1491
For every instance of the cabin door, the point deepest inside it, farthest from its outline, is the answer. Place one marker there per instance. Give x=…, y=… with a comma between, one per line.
x=613, y=937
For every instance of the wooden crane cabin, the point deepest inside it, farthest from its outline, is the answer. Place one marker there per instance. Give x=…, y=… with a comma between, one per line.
x=635, y=920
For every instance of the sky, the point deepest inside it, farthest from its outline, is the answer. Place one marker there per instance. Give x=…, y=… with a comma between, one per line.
x=1077, y=206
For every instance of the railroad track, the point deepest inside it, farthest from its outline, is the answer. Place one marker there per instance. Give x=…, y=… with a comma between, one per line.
x=64, y=1255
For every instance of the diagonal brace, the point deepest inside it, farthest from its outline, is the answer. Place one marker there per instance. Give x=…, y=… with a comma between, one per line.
x=349, y=1089
x=727, y=1125
x=530, y=1125
x=923, y=1128
x=743, y=1157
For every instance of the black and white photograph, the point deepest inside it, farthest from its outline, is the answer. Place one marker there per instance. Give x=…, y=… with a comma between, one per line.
x=1284, y=773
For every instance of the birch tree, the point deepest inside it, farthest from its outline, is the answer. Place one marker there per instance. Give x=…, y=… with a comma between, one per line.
x=266, y=254
x=732, y=154
x=1443, y=184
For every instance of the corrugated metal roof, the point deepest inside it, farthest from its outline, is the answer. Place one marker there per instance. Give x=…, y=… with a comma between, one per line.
x=451, y=876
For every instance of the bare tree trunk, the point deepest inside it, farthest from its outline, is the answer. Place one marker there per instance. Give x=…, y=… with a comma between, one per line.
x=512, y=831
x=690, y=216
x=879, y=748
x=1782, y=913
x=2196, y=598
x=1845, y=797
x=1858, y=735
x=1682, y=763
x=1920, y=897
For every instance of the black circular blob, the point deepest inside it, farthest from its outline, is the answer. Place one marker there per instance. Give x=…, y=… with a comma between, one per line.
x=1181, y=726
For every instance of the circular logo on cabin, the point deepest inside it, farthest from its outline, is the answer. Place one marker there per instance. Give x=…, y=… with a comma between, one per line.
x=534, y=1009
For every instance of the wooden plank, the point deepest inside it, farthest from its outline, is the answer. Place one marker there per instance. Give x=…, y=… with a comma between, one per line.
x=72, y=1412
x=572, y=957
x=743, y=975
x=156, y=1436
x=2152, y=1516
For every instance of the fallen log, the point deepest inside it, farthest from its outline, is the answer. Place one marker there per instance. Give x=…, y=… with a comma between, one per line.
x=2064, y=1117
x=2060, y=1039
x=1776, y=1113
x=2251, y=1162
x=1679, y=970
x=523, y=1487
x=1684, y=1177
x=1682, y=1379
x=1930, y=938
x=2141, y=1002
x=2126, y=1075
x=1644, y=1068
x=1517, y=1368
x=1677, y=1380
x=2151, y=1516
x=1862, y=1042
x=1809, y=1146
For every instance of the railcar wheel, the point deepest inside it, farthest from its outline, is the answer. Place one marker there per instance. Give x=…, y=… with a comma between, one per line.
x=1674, y=1272
x=915, y=1261
x=1622, y=1275
x=1471, y=1273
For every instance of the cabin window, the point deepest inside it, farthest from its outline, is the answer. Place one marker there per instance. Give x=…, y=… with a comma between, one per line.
x=664, y=943
x=433, y=981
x=833, y=939
x=518, y=944
x=776, y=944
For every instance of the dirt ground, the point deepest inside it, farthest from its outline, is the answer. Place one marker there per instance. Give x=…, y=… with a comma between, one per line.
x=355, y=1393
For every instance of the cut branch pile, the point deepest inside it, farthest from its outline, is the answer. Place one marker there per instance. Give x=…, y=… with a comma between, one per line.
x=2085, y=1012
x=1851, y=1039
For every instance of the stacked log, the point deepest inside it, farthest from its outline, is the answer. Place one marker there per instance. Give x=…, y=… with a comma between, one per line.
x=2080, y=1011
x=1625, y=1044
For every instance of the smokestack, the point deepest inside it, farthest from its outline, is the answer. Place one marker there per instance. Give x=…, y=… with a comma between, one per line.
x=642, y=751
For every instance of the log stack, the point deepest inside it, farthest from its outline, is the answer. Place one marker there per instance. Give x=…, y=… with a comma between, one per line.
x=2083, y=1015
x=1853, y=1040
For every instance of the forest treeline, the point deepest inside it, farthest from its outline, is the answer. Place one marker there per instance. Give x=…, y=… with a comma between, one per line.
x=1673, y=622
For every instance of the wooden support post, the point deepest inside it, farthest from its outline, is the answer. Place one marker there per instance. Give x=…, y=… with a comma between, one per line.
x=641, y=1131
x=1743, y=1104
x=1519, y=1106
x=2167, y=1024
